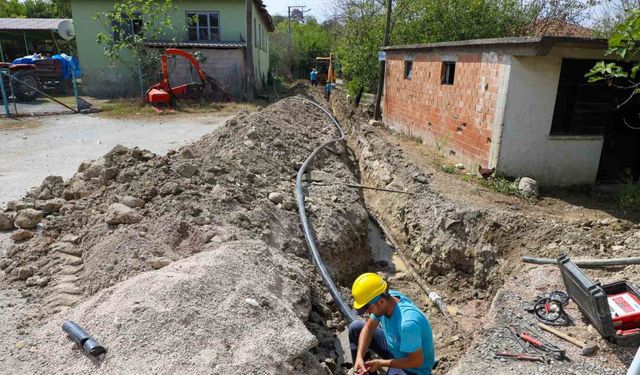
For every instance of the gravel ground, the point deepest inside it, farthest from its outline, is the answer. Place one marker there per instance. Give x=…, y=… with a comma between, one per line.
x=38, y=106
x=61, y=143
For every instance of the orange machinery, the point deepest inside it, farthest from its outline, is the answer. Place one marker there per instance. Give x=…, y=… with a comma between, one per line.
x=162, y=93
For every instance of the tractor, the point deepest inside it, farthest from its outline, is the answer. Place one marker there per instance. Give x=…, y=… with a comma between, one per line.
x=39, y=75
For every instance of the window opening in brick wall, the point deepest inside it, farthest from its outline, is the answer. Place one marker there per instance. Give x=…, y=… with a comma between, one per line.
x=408, y=69
x=203, y=26
x=448, y=72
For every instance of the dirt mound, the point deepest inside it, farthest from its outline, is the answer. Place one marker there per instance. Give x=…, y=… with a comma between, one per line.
x=212, y=312
x=133, y=212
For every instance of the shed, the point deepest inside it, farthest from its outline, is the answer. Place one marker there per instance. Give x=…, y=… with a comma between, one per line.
x=521, y=105
x=25, y=36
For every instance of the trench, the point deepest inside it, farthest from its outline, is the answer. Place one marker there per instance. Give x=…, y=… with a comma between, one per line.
x=391, y=235
x=384, y=258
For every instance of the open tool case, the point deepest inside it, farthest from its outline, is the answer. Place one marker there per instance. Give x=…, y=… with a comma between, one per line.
x=613, y=309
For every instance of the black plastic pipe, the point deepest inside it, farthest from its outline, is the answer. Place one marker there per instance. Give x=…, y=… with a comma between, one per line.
x=308, y=233
x=82, y=338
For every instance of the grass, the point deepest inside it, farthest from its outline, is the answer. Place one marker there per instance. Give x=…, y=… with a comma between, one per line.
x=17, y=123
x=448, y=168
x=628, y=196
x=498, y=184
x=133, y=107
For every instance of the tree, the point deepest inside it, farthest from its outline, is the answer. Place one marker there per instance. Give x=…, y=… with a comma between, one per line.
x=35, y=9
x=12, y=9
x=623, y=44
x=360, y=39
x=308, y=40
x=129, y=26
x=611, y=14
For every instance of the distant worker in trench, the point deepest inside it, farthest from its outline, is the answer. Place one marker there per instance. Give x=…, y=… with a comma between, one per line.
x=313, y=77
x=395, y=329
x=328, y=87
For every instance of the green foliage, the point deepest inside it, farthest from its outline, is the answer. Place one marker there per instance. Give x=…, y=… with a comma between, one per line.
x=360, y=38
x=624, y=44
x=448, y=168
x=308, y=41
x=128, y=27
x=436, y=21
x=501, y=185
x=629, y=194
x=12, y=9
x=35, y=9
x=611, y=14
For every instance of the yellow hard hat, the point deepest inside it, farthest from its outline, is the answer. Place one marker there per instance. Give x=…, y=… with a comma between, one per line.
x=367, y=287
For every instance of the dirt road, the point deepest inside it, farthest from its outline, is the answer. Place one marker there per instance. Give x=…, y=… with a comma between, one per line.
x=56, y=145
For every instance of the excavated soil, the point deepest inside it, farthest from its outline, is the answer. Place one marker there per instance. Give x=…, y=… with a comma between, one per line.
x=188, y=262
x=465, y=243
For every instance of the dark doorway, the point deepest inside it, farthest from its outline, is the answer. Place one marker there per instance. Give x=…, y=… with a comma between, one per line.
x=584, y=108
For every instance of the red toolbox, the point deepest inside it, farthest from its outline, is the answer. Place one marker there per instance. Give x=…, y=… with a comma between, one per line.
x=613, y=309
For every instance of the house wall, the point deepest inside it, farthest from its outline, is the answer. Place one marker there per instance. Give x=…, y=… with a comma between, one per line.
x=231, y=18
x=526, y=147
x=457, y=119
x=104, y=78
x=260, y=50
x=100, y=76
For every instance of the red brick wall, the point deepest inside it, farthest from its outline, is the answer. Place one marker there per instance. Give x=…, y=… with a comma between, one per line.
x=456, y=118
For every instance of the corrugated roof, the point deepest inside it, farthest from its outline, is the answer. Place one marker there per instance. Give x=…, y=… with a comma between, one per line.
x=30, y=23
x=221, y=45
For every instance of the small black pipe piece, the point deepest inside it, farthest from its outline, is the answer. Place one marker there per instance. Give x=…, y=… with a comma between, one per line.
x=82, y=338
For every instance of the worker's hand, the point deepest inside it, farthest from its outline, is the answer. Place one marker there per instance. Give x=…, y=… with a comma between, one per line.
x=374, y=365
x=359, y=367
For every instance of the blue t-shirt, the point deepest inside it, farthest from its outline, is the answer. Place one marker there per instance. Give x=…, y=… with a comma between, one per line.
x=407, y=330
x=313, y=75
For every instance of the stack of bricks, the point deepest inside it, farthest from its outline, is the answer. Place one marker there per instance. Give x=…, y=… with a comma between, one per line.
x=457, y=118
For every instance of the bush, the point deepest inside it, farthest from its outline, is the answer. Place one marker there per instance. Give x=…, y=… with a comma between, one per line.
x=629, y=194
x=448, y=168
x=501, y=185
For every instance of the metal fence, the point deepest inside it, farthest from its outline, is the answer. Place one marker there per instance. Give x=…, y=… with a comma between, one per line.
x=31, y=93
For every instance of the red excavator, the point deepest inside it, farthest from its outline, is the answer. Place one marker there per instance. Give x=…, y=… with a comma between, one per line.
x=162, y=94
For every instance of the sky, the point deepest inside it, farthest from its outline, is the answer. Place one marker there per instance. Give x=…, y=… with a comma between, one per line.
x=320, y=9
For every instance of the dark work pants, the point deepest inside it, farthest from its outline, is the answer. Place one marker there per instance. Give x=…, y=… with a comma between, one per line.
x=378, y=343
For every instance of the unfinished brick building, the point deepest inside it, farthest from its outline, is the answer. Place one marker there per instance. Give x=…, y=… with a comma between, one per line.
x=521, y=105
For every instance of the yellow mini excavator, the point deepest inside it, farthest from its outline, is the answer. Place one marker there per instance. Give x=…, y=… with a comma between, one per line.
x=325, y=69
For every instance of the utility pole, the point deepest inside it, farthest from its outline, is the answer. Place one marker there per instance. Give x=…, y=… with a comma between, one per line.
x=385, y=43
x=297, y=13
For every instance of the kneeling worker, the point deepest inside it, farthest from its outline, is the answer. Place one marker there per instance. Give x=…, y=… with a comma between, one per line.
x=405, y=340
